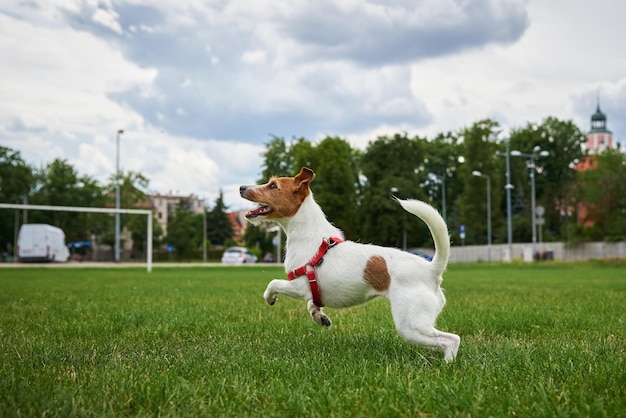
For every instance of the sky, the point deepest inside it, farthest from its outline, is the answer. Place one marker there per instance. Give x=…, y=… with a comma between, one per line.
x=199, y=87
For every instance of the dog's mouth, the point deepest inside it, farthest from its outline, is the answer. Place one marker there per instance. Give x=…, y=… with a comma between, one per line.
x=262, y=210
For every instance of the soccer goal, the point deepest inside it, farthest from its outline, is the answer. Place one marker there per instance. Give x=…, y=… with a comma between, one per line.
x=95, y=210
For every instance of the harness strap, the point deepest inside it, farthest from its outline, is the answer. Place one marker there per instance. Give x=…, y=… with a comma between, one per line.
x=309, y=268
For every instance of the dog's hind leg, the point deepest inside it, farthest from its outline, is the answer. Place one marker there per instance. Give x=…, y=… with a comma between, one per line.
x=415, y=319
x=318, y=315
x=432, y=337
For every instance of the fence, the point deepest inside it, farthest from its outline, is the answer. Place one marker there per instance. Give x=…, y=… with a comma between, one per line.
x=546, y=250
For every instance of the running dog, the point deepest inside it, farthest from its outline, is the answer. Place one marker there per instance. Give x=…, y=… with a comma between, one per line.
x=325, y=270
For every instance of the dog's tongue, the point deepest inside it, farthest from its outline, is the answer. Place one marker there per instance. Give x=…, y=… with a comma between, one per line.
x=263, y=210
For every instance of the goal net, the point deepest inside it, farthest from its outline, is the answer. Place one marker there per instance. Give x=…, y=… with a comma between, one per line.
x=95, y=210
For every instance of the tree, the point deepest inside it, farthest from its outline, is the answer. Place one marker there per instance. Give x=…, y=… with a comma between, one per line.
x=480, y=148
x=392, y=166
x=277, y=160
x=16, y=176
x=443, y=157
x=59, y=184
x=184, y=231
x=334, y=187
x=219, y=227
x=257, y=237
x=303, y=154
x=16, y=179
x=133, y=195
x=554, y=177
x=601, y=192
x=139, y=232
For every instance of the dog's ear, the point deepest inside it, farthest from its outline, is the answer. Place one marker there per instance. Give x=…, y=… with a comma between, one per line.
x=304, y=177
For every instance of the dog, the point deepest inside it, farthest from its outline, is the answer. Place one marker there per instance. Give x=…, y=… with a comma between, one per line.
x=325, y=270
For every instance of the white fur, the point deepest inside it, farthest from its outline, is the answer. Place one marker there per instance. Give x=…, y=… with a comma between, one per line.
x=414, y=291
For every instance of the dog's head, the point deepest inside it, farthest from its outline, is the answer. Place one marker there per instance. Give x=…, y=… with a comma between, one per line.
x=280, y=197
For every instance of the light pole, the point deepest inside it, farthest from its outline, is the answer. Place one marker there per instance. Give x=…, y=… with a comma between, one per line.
x=117, y=196
x=509, y=187
x=479, y=174
x=532, y=156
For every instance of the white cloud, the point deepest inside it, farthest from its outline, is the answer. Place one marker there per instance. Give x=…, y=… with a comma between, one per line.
x=61, y=79
x=254, y=57
x=219, y=77
x=108, y=19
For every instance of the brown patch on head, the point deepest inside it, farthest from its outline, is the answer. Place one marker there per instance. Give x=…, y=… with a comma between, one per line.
x=280, y=197
x=376, y=273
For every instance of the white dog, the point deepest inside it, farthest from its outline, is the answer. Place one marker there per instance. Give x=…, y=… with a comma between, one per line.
x=353, y=273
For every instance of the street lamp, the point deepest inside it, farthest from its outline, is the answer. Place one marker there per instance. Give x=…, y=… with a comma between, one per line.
x=532, y=156
x=117, y=196
x=509, y=187
x=479, y=174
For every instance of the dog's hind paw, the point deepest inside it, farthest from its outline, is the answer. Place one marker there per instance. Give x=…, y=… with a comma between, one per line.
x=318, y=316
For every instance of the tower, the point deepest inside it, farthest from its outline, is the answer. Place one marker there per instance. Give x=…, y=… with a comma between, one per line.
x=599, y=139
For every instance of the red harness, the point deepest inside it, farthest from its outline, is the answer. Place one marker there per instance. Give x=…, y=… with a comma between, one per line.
x=309, y=268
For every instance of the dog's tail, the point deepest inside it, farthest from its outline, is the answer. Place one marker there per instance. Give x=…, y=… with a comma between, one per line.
x=437, y=227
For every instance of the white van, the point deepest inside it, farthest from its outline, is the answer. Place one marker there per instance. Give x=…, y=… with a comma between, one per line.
x=41, y=242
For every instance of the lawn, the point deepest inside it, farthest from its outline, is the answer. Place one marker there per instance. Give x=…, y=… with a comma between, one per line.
x=544, y=340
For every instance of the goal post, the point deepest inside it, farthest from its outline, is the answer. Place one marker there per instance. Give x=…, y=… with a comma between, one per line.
x=94, y=210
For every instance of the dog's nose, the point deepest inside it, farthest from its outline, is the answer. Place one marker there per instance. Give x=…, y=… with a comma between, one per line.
x=242, y=190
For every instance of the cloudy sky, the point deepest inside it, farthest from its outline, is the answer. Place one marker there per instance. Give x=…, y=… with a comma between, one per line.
x=199, y=86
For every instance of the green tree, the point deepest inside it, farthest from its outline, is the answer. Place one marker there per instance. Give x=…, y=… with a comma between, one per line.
x=277, y=160
x=443, y=157
x=59, y=184
x=16, y=177
x=601, y=193
x=184, y=231
x=554, y=177
x=219, y=227
x=259, y=240
x=304, y=155
x=16, y=180
x=139, y=232
x=133, y=195
x=480, y=149
x=334, y=187
x=392, y=166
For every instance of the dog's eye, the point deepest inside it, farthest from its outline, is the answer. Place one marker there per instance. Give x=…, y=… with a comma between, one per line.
x=273, y=186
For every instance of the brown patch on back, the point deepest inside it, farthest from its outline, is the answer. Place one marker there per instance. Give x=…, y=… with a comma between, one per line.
x=376, y=273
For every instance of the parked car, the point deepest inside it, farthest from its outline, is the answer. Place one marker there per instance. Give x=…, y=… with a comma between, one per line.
x=238, y=255
x=41, y=242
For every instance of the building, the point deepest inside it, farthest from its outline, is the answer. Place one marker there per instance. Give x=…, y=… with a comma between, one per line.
x=165, y=206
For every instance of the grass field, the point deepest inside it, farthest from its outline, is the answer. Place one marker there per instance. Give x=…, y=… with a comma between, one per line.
x=544, y=340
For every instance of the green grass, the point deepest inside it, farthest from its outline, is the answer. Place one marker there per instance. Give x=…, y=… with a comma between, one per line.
x=544, y=340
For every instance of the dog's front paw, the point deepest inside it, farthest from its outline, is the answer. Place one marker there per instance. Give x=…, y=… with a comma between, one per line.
x=270, y=298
